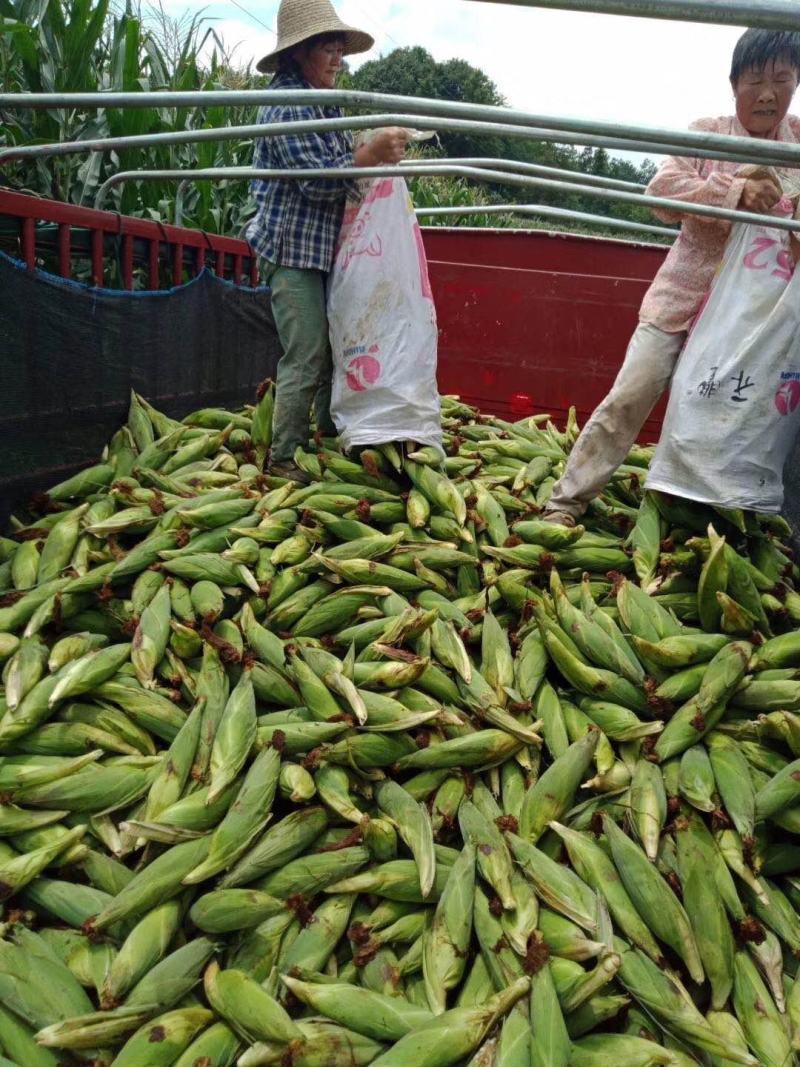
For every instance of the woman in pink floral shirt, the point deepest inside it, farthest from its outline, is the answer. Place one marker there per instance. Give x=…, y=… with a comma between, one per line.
x=764, y=76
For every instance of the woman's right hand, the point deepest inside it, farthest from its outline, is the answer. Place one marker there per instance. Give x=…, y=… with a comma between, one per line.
x=385, y=146
x=760, y=195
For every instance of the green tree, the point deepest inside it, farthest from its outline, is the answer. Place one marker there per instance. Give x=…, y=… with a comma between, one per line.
x=405, y=72
x=414, y=72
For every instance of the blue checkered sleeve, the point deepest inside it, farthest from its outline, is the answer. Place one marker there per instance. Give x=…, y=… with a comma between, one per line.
x=298, y=221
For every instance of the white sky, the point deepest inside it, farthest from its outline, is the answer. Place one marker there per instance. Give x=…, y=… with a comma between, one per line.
x=644, y=71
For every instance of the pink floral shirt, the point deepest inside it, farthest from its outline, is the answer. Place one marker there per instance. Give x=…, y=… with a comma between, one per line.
x=677, y=292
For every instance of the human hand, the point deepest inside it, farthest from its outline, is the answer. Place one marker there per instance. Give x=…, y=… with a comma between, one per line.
x=385, y=146
x=760, y=195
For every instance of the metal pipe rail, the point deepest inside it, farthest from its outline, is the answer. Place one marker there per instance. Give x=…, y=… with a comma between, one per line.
x=539, y=170
x=427, y=170
x=698, y=142
x=483, y=162
x=512, y=165
x=767, y=14
x=278, y=129
x=353, y=122
x=254, y=131
x=543, y=211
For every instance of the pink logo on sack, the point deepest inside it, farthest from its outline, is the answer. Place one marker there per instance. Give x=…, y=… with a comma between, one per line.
x=787, y=397
x=381, y=189
x=358, y=244
x=766, y=253
x=363, y=371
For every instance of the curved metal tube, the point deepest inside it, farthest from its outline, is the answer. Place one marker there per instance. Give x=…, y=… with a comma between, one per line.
x=277, y=129
x=236, y=133
x=545, y=211
x=478, y=173
x=768, y=14
x=358, y=122
x=512, y=165
x=537, y=169
x=745, y=149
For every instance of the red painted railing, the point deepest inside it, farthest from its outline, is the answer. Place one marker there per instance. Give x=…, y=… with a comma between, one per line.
x=157, y=245
x=532, y=321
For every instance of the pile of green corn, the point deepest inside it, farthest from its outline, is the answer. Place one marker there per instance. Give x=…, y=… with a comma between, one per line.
x=385, y=770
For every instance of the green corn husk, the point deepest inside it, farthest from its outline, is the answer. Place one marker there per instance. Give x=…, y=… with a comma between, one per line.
x=413, y=825
x=218, y=1046
x=445, y=943
x=454, y=1034
x=606, y=1050
x=664, y=999
x=155, y=883
x=222, y=911
x=149, y=710
x=758, y=1015
x=594, y=1013
x=278, y=846
x=18, y=1041
x=550, y=1042
x=696, y=780
x=310, y=874
x=701, y=713
x=247, y=1007
x=594, y=865
x=95, y=1029
x=144, y=946
x=159, y=1042
x=552, y=795
x=315, y=944
x=19, y=871
x=395, y=880
x=712, y=932
x=734, y=783
x=653, y=898
x=234, y=737
x=556, y=886
x=323, y=1044
x=422, y=700
x=648, y=806
x=170, y=980
x=34, y=982
x=245, y=818
x=296, y=784
x=96, y=790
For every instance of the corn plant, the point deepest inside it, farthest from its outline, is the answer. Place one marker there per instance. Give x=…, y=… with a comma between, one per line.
x=58, y=45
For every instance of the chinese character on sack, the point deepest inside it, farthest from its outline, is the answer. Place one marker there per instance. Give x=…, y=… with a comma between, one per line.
x=741, y=386
x=710, y=385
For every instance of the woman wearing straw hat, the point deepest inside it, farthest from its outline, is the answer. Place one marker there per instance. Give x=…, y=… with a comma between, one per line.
x=297, y=223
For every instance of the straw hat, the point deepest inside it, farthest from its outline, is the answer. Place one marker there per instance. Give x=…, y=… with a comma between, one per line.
x=300, y=19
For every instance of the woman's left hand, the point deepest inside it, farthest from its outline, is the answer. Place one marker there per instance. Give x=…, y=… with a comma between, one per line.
x=385, y=146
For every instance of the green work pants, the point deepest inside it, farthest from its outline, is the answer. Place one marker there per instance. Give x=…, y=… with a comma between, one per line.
x=305, y=368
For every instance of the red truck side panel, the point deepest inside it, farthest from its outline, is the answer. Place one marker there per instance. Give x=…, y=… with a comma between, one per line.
x=531, y=321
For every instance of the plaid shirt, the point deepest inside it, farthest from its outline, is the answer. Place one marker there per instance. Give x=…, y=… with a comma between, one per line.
x=297, y=222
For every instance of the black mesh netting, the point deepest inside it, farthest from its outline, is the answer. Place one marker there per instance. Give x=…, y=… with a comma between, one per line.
x=70, y=354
